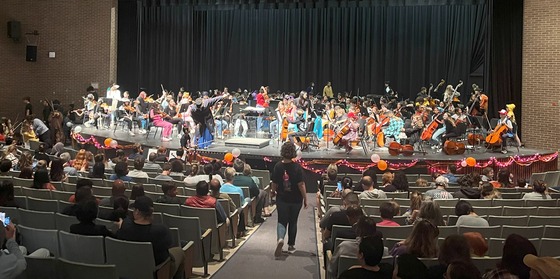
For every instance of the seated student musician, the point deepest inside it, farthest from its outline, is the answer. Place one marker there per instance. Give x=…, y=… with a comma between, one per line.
x=508, y=133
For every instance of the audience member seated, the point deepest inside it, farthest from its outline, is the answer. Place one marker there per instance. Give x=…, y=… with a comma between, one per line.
x=365, y=227
x=416, y=199
x=421, y=182
x=41, y=180
x=422, y=241
x=40, y=153
x=488, y=192
x=69, y=170
x=81, y=163
x=505, y=178
x=120, y=210
x=387, y=181
x=369, y=256
x=215, y=192
x=260, y=196
x=409, y=266
x=228, y=187
x=335, y=208
x=388, y=210
x=454, y=248
x=477, y=244
x=86, y=214
x=469, y=183
x=137, y=172
x=177, y=168
x=161, y=155
x=203, y=200
x=487, y=174
x=136, y=152
x=25, y=161
x=57, y=170
x=462, y=270
x=345, y=183
x=400, y=182
x=329, y=178
x=178, y=156
x=467, y=216
x=516, y=247
x=79, y=184
x=169, y=194
x=98, y=170
x=164, y=175
x=26, y=173
x=191, y=181
x=11, y=153
x=5, y=167
x=12, y=260
x=430, y=211
x=121, y=171
x=84, y=193
x=120, y=156
x=539, y=191
x=450, y=174
x=352, y=211
x=141, y=229
x=151, y=165
x=117, y=190
x=137, y=191
x=369, y=191
x=7, y=194
x=440, y=191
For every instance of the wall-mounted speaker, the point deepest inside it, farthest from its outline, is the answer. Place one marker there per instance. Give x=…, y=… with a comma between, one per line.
x=14, y=30
x=31, y=53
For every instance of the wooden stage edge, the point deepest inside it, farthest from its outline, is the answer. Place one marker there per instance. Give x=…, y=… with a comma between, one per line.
x=522, y=164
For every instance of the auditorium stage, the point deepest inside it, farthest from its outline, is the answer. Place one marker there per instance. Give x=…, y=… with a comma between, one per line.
x=522, y=164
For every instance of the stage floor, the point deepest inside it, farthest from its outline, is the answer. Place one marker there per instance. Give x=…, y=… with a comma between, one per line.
x=272, y=151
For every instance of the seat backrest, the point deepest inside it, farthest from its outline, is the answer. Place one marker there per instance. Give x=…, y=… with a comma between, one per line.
x=71, y=269
x=393, y=195
x=34, y=239
x=508, y=202
x=236, y=198
x=173, y=209
x=40, y=268
x=551, y=231
x=339, y=230
x=72, y=247
x=207, y=216
x=429, y=261
x=508, y=220
x=544, y=220
x=37, y=193
x=12, y=212
x=541, y=203
x=119, y=253
x=61, y=195
x=63, y=204
x=110, y=225
x=63, y=222
x=537, y=176
x=526, y=231
x=548, y=211
x=492, y=210
x=486, y=263
x=37, y=219
x=479, y=202
x=102, y=191
x=400, y=232
x=42, y=204
x=446, y=202
x=551, y=178
x=550, y=247
x=513, y=195
x=22, y=182
x=363, y=202
x=519, y=211
x=190, y=230
x=371, y=210
x=445, y=231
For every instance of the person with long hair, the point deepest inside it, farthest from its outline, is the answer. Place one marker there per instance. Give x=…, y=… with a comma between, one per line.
x=10, y=153
x=25, y=160
x=505, y=178
x=400, y=182
x=57, y=170
x=516, y=247
x=539, y=191
x=26, y=173
x=80, y=162
x=416, y=199
x=430, y=211
x=455, y=248
x=289, y=187
x=41, y=180
x=422, y=241
x=98, y=170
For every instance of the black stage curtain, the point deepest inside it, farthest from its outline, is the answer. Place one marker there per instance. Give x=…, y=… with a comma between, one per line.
x=355, y=44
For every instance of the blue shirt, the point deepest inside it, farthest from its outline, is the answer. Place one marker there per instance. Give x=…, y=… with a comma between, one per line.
x=123, y=178
x=230, y=188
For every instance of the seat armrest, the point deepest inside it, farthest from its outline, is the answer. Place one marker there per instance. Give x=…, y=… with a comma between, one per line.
x=163, y=270
x=189, y=259
x=207, y=233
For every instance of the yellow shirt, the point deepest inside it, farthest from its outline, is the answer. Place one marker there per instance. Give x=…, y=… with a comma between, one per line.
x=327, y=91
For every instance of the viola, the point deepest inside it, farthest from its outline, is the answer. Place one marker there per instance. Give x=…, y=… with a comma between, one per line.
x=396, y=148
x=495, y=138
x=453, y=148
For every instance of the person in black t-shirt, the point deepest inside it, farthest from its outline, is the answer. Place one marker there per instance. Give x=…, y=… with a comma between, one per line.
x=28, y=106
x=141, y=229
x=86, y=213
x=369, y=257
x=288, y=185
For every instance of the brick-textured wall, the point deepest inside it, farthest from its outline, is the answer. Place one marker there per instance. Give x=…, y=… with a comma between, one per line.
x=541, y=74
x=80, y=34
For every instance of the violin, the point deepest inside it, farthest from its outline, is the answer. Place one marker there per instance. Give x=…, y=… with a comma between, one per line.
x=453, y=148
x=130, y=109
x=396, y=148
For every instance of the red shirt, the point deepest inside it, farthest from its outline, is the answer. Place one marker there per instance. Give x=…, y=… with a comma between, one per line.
x=201, y=201
x=388, y=223
x=261, y=101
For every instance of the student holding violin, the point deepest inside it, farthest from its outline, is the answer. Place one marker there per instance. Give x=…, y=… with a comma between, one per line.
x=173, y=117
x=158, y=119
x=126, y=113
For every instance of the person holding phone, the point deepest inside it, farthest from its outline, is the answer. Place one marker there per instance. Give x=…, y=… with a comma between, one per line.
x=12, y=262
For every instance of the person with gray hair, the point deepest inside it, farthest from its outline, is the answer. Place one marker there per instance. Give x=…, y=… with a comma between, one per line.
x=68, y=169
x=242, y=180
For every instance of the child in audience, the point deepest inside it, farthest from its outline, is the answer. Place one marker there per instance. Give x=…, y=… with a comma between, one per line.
x=388, y=210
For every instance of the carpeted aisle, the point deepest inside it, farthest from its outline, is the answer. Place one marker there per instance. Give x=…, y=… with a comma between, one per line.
x=255, y=259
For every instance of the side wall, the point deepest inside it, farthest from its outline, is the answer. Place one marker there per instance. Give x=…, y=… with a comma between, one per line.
x=79, y=32
x=541, y=74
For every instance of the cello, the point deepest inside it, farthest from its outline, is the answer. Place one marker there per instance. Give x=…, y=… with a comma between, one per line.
x=430, y=129
x=453, y=148
x=495, y=138
x=396, y=148
x=284, y=133
x=343, y=131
